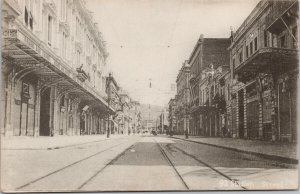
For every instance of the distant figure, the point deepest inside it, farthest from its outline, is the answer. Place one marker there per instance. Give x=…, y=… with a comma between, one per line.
x=186, y=134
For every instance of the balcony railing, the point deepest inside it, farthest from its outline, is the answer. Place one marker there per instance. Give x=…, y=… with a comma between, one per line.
x=43, y=53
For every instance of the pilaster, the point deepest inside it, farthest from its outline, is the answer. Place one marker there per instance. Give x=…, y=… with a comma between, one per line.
x=245, y=114
x=37, y=110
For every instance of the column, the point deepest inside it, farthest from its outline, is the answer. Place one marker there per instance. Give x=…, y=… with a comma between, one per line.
x=245, y=113
x=37, y=111
x=260, y=120
x=3, y=101
x=10, y=103
x=237, y=115
x=275, y=114
x=52, y=109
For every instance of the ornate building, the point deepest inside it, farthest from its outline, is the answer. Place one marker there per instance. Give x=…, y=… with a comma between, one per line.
x=208, y=54
x=53, y=67
x=264, y=65
x=172, y=116
x=183, y=99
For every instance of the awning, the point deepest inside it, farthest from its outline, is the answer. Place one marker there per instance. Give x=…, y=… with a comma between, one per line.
x=26, y=51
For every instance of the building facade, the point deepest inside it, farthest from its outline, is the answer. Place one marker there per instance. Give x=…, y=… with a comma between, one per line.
x=183, y=98
x=264, y=64
x=53, y=69
x=207, y=55
x=246, y=86
x=172, y=116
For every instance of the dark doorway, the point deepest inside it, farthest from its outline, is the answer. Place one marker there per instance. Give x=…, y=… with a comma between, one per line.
x=241, y=113
x=82, y=124
x=284, y=112
x=45, y=113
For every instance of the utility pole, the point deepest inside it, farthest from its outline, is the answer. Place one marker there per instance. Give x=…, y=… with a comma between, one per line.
x=108, y=103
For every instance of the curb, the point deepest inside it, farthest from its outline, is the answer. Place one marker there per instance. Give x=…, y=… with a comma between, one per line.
x=60, y=147
x=266, y=156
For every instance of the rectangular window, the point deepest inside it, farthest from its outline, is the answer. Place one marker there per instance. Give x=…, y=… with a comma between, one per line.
x=26, y=16
x=247, y=51
x=265, y=38
x=251, y=48
x=64, y=44
x=255, y=43
x=241, y=56
x=49, y=30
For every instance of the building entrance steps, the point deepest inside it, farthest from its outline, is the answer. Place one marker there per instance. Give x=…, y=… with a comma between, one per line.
x=48, y=143
x=280, y=151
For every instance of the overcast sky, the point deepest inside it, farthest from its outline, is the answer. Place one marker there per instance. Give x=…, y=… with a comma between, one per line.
x=150, y=39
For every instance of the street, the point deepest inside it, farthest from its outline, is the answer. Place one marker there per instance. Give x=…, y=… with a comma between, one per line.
x=138, y=162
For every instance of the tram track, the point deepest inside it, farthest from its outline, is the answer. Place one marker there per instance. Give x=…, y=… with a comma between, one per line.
x=234, y=181
x=73, y=164
x=171, y=164
x=105, y=166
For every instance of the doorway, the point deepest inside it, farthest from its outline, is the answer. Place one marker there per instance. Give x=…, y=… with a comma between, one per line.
x=45, y=113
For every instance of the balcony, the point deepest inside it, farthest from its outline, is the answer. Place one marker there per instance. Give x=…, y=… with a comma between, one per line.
x=26, y=50
x=267, y=60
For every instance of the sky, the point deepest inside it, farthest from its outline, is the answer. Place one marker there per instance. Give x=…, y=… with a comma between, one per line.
x=148, y=40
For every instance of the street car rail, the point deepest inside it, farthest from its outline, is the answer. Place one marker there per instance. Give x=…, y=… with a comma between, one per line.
x=171, y=164
x=234, y=181
x=106, y=165
x=68, y=166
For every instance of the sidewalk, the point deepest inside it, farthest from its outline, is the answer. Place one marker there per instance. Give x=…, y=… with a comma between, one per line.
x=46, y=142
x=273, y=150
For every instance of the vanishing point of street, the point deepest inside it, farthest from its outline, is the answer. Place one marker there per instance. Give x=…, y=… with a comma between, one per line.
x=141, y=162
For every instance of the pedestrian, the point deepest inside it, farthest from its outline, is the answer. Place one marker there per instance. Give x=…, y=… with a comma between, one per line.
x=186, y=134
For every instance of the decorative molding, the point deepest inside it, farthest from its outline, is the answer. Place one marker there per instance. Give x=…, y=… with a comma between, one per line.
x=64, y=26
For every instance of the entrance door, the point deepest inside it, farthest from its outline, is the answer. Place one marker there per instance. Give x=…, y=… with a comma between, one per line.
x=253, y=119
x=284, y=111
x=45, y=113
x=82, y=124
x=24, y=118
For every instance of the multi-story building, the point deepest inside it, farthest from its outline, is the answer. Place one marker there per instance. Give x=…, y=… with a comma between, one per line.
x=126, y=116
x=172, y=116
x=213, y=102
x=136, y=116
x=53, y=69
x=114, y=101
x=264, y=65
x=183, y=98
x=208, y=54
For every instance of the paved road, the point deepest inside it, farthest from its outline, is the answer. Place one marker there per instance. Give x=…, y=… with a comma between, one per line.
x=142, y=163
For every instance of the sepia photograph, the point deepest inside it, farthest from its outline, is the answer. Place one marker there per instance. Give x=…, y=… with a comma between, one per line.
x=149, y=95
